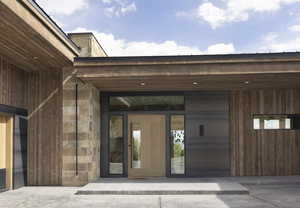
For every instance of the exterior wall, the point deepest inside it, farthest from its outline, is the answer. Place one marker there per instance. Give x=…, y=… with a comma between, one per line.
x=13, y=84
x=88, y=134
x=97, y=50
x=89, y=46
x=263, y=152
x=40, y=93
x=44, y=128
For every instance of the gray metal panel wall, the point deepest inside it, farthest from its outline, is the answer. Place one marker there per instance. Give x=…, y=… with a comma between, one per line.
x=2, y=179
x=20, y=152
x=207, y=134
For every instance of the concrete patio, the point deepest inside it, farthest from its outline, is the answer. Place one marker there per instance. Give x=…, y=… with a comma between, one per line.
x=181, y=186
x=265, y=192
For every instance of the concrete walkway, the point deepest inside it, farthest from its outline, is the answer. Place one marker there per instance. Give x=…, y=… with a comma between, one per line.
x=181, y=186
x=283, y=192
x=162, y=188
x=261, y=196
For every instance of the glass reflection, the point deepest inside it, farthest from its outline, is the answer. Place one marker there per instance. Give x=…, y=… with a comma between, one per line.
x=136, y=149
x=116, y=145
x=146, y=103
x=178, y=150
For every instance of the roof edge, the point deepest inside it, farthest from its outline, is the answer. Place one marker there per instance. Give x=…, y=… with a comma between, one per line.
x=190, y=59
x=52, y=27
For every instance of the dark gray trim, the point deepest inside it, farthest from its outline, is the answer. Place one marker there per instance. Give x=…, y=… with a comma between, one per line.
x=187, y=112
x=170, y=145
x=13, y=110
x=76, y=128
x=2, y=178
x=104, y=136
x=20, y=144
x=140, y=59
x=124, y=150
x=150, y=93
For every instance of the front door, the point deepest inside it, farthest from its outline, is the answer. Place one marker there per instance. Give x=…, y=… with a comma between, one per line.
x=146, y=146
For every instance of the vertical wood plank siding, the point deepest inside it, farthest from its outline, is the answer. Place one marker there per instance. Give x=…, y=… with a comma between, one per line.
x=263, y=152
x=40, y=93
x=45, y=128
x=13, y=85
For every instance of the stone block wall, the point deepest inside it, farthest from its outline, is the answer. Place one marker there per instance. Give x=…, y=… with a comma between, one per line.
x=88, y=134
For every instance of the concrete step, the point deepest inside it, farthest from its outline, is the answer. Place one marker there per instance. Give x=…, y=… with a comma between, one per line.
x=163, y=189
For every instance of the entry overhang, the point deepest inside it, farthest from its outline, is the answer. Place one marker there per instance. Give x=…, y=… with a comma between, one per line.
x=30, y=39
x=191, y=72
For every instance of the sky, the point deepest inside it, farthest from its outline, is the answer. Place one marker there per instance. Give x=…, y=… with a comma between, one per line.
x=182, y=27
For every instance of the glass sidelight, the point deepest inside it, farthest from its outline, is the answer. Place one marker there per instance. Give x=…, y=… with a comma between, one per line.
x=136, y=148
x=116, y=140
x=177, y=145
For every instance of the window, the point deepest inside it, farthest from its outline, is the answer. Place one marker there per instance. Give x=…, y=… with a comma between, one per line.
x=136, y=150
x=273, y=122
x=116, y=140
x=177, y=142
x=146, y=103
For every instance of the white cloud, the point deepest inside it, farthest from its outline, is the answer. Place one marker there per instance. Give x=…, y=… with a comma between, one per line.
x=106, y=1
x=272, y=43
x=270, y=37
x=217, y=17
x=118, y=7
x=237, y=10
x=294, y=28
x=287, y=46
x=129, y=8
x=64, y=7
x=121, y=47
x=220, y=48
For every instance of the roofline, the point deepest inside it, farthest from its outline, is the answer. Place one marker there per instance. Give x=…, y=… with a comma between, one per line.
x=190, y=59
x=89, y=33
x=59, y=33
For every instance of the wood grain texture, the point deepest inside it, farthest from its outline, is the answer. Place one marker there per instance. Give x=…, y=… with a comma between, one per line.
x=40, y=93
x=13, y=85
x=45, y=128
x=263, y=152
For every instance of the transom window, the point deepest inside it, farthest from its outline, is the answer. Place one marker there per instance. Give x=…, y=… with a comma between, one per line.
x=288, y=122
x=146, y=103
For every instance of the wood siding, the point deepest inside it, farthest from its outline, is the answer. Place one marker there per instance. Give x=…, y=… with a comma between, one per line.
x=13, y=85
x=263, y=152
x=40, y=93
x=45, y=128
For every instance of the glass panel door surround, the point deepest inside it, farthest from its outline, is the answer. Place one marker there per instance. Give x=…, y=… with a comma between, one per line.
x=177, y=145
x=116, y=140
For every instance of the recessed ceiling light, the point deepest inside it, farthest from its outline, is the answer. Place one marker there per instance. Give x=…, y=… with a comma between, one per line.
x=247, y=82
x=142, y=83
x=195, y=83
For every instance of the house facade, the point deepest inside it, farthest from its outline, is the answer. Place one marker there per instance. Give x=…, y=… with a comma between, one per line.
x=69, y=114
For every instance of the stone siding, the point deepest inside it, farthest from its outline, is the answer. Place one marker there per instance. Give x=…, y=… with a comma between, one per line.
x=88, y=134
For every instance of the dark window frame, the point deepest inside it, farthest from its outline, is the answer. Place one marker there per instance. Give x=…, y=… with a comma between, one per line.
x=170, y=146
x=261, y=116
x=123, y=147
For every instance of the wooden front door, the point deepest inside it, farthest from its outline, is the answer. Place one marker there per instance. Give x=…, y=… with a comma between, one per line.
x=146, y=146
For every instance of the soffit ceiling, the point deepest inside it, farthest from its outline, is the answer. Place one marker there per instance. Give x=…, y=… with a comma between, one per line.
x=191, y=83
x=26, y=48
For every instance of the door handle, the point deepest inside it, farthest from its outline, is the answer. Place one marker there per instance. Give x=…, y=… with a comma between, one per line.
x=201, y=130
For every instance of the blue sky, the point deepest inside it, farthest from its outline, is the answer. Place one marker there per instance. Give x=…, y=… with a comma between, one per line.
x=177, y=27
